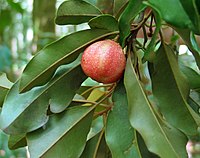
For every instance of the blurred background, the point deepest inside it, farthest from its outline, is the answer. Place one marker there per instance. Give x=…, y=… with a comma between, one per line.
x=26, y=26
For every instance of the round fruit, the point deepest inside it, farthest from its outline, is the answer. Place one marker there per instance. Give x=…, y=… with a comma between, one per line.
x=104, y=61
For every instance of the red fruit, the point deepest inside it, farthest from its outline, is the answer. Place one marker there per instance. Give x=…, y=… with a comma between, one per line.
x=104, y=61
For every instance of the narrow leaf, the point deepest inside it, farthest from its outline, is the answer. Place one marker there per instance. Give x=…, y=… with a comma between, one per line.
x=75, y=12
x=120, y=135
x=143, y=149
x=32, y=105
x=64, y=135
x=65, y=87
x=41, y=68
x=96, y=127
x=171, y=91
x=106, y=22
x=133, y=8
x=59, y=93
x=119, y=6
x=160, y=138
x=91, y=147
x=190, y=8
x=172, y=14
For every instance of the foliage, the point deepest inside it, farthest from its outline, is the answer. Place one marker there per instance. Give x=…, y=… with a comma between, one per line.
x=151, y=112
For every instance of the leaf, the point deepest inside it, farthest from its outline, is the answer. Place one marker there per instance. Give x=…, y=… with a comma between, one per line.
x=172, y=14
x=41, y=68
x=127, y=16
x=118, y=6
x=59, y=93
x=17, y=141
x=160, y=138
x=106, y=22
x=120, y=135
x=16, y=6
x=91, y=147
x=96, y=127
x=5, y=85
x=65, y=87
x=171, y=90
x=32, y=105
x=95, y=95
x=143, y=149
x=64, y=135
x=192, y=11
x=192, y=76
x=191, y=42
x=75, y=12
x=149, y=52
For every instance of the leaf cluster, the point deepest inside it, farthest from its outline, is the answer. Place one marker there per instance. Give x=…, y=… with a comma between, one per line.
x=151, y=112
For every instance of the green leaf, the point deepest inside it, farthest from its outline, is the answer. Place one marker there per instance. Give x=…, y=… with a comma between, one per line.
x=175, y=13
x=64, y=135
x=91, y=147
x=120, y=135
x=143, y=149
x=75, y=12
x=192, y=11
x=32, y=105
x=191, y=42
x=118, y=6
x=171, y=91
x=5, y=85
x=150, y=50
x=16, y=6
x=106, y=22
x=17, y=141
x=160, y=138
x=96, y=127
x=132, y=10
x=194, y=104
x=192, y=76
x=41, y=68
x=59, y=93
x=64, y=87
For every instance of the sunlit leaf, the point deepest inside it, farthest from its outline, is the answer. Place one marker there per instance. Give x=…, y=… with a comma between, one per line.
x=41, y=68
x=160, y=138
x=171, y=90
x=75, y=12
x=119, y=129
x=64, y=135
x=132, y=10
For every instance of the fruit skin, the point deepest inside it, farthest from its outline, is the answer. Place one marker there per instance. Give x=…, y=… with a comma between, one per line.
x=104, y=61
